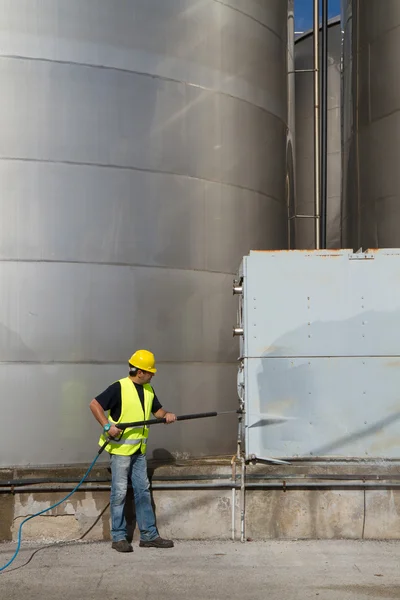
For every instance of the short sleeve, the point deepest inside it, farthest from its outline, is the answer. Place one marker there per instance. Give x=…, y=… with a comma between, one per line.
x=110, y=399
x=156, y=403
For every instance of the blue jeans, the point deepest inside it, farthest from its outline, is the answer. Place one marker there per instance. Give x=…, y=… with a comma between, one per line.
x=135, y=467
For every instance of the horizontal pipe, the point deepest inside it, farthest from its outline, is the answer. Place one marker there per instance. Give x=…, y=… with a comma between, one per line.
x=195, y=477
x=325, y=486
x=302, y=217
x=283, y=486
x=301, y=71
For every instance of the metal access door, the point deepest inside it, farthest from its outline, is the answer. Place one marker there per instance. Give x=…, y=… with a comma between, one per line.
x=321, y=346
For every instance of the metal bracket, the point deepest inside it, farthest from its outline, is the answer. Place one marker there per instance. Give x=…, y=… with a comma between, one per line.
x=238, y=286
x=361, y=256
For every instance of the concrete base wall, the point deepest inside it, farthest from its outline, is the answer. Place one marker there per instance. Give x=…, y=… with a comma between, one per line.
x=207, y=514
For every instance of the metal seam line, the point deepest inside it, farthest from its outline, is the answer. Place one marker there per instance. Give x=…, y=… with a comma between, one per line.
x=304, y=357
x=250, y=17
x=111, y=264
x=111, y=363
x=142, y=74
x=138, y=169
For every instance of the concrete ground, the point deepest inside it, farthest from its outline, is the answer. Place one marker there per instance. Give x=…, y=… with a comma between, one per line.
x=281, y=570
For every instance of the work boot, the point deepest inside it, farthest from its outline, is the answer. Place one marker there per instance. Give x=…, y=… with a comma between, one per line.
x=158, y=542
x=122, y=546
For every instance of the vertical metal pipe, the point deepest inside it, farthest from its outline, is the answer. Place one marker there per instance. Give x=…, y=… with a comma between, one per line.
x=239, y=439
x=324, y=122
x=233, y=500
x=355, y=45
x=317, y=197
x=237, y=457
x=291, y=135
x=240, y=457
x=243, y=502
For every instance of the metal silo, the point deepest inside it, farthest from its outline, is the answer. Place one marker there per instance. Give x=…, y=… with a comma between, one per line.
x=304, y=228
x=142, y=154
x=371, y=184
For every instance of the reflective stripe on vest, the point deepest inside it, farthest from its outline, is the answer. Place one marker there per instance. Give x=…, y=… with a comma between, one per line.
x=131, y=410
x=130, y=442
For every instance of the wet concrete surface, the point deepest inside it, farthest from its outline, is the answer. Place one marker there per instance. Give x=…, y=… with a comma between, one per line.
x=284, y=570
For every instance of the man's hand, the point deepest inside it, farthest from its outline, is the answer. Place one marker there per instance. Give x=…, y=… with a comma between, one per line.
x=114, y=432
x=163, y=414
x=101, y=418
x=170, y=417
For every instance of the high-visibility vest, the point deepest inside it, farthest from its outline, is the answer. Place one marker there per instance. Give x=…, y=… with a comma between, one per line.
x=131, y=411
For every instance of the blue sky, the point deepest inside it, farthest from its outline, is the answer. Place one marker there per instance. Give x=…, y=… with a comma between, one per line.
x=303, y=12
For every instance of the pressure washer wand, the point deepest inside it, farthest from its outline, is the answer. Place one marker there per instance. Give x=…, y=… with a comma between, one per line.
x=180, y=418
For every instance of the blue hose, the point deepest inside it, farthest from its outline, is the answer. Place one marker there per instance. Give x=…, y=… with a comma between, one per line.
x=46, y=510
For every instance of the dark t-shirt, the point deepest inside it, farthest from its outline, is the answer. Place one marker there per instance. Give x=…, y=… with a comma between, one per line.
x=110, y=399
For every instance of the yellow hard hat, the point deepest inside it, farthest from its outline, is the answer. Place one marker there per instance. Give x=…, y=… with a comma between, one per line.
x=143, y=360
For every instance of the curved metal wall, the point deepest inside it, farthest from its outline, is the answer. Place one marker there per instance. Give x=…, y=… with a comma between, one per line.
x=304, y=227
x=371, y=185
x=142, y=154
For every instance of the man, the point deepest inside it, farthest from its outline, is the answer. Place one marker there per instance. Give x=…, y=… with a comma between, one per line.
x=129, y=400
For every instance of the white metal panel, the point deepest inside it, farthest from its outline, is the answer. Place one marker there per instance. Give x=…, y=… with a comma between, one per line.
x=327, y=303
x=341, y=407
x=321, y=345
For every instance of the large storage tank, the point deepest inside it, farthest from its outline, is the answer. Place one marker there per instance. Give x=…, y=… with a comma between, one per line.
x=304, y=60
x=142, y=154
x=371, y=185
